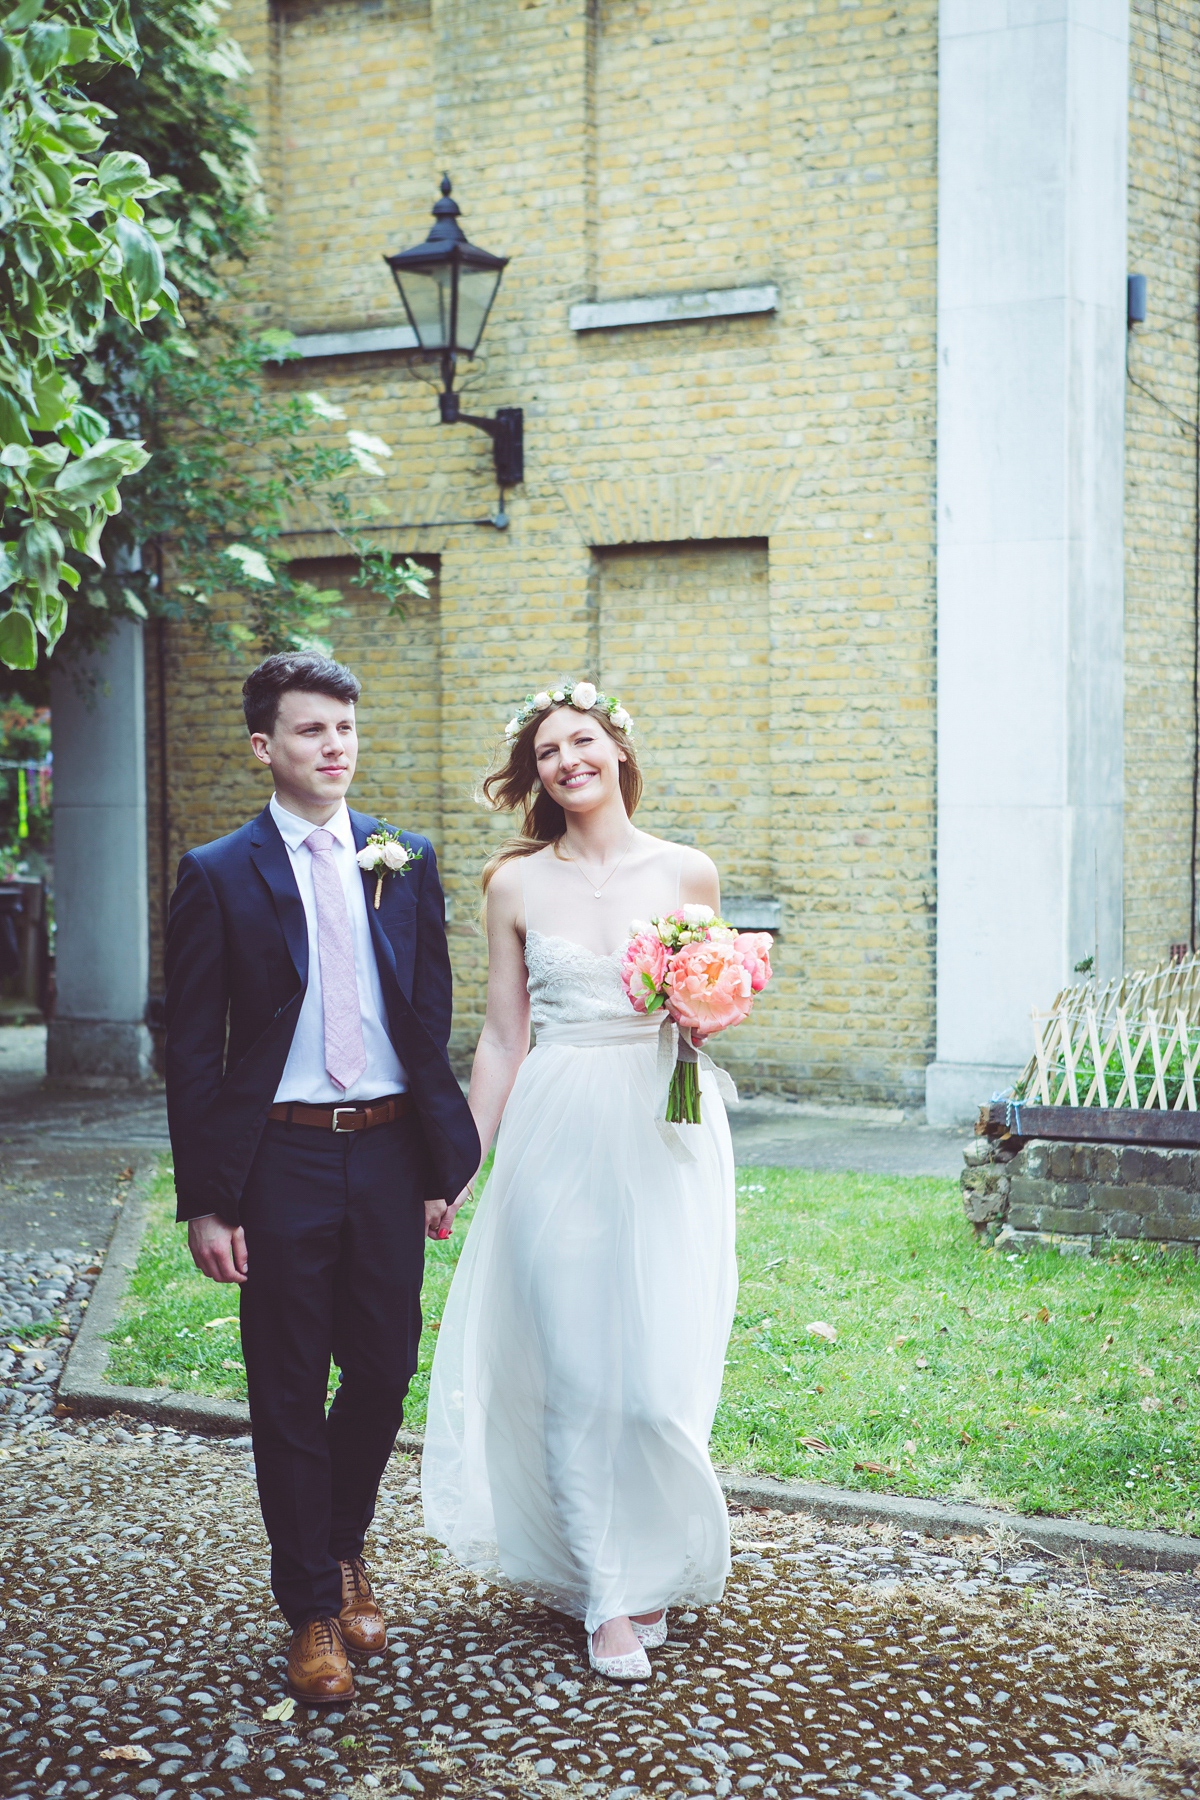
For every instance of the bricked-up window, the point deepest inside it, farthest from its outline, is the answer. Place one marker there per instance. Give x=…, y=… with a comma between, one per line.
x=684, y=643
x=354, y=86
x=684, y=204
x=398, y=662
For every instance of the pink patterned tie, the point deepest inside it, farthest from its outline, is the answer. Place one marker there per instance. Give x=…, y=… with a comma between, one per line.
x=345, y=1056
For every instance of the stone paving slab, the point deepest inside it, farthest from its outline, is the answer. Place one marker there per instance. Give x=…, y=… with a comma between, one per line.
x=775, y=1134
x=841, y=1661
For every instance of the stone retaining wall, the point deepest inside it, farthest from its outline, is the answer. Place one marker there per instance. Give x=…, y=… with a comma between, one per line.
x=1079, y=1198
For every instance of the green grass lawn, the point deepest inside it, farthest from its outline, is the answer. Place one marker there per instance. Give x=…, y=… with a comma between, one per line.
x=1050, y=1384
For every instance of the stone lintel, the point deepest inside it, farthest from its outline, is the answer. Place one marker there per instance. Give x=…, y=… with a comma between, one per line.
x=673, y=309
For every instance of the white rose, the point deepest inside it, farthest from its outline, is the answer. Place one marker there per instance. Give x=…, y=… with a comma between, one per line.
x=394, y=855
x=583, y=695
x=542, y=701
x=558, y=694
x=621, y=719
x=638, y=926
x=698, y=915
x=370, y=857
x=512, y=728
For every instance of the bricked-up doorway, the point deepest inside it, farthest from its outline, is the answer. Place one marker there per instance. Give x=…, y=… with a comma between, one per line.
x=683, y=640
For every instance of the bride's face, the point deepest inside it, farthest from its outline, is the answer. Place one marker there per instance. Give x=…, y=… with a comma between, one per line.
x=578, y=763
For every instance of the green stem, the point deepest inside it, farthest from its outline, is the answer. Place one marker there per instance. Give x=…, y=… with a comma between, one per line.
x=683, y=1097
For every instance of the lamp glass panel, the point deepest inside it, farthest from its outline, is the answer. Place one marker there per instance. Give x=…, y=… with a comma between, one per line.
x=428, y=298
x=476, y=289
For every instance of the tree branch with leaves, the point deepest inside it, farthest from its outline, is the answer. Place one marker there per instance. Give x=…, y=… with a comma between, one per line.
x=75, y=245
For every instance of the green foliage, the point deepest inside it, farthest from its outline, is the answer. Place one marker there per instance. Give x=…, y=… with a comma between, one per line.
x=190, y=503
x=230, y=454
x=75, y=245
x=234, y=458
x=1045, y=1383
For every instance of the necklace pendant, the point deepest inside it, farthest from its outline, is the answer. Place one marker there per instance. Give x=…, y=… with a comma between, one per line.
x=598, y=894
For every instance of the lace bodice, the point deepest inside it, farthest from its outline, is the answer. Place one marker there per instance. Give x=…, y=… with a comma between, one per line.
x=570, y=985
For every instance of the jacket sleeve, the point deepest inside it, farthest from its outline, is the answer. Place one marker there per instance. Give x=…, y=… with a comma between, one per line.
x=197, y=1007
x=432, y=982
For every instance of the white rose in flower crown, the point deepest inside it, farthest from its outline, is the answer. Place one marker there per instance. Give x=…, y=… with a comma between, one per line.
x=583, y=695
x=395, y=855
x=370, y=856
x=698, y=915
x=621, y=718
x=512, y=728
x=558, y=694
x=542, y=701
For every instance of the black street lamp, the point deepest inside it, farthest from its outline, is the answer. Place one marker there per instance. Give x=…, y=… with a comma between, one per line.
x=448, y=286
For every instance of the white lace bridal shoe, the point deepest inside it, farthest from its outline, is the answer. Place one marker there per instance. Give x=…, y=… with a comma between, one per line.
x=634, y=1667
x=654, y=1636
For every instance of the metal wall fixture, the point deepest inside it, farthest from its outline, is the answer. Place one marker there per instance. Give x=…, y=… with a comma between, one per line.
x=448, y=286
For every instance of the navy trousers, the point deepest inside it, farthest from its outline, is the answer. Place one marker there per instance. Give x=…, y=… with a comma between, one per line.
x=335, y=1240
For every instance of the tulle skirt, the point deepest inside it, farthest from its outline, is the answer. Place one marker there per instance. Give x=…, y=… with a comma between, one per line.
x=580, y=1354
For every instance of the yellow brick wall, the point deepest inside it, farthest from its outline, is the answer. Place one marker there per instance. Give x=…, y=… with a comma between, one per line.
x=612, y=148
x=1160, y=474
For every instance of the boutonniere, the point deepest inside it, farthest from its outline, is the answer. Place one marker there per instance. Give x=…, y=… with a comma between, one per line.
x=386, y=855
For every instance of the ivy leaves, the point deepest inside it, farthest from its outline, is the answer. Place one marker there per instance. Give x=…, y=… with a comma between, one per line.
x=75, y=244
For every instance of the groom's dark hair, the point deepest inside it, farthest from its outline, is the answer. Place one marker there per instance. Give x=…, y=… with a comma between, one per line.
x=289, y=672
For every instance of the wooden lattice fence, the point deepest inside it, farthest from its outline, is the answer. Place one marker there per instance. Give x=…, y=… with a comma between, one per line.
x=1133, y=1042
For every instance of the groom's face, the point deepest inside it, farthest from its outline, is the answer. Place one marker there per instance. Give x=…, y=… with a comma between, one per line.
x=311, y=750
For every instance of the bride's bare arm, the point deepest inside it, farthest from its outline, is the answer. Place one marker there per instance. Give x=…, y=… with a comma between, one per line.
x=504, y=1041
x=699, y=883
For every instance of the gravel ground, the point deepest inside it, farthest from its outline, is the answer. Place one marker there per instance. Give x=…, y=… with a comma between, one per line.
x=43, y=1297
x=140, y=1656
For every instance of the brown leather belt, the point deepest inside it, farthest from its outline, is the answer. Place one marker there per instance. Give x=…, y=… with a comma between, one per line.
x=360, y=1116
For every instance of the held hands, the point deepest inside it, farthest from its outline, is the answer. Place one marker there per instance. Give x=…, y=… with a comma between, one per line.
x=218, y=1250
x=439, y=1218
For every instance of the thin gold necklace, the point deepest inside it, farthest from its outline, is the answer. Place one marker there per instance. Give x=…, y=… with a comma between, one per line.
x=598, y=892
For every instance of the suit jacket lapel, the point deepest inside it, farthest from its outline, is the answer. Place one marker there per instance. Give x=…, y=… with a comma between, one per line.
x=268, y=852
x=362, y=826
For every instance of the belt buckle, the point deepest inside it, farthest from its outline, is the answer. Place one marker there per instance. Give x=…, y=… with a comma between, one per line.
x=346, y=1109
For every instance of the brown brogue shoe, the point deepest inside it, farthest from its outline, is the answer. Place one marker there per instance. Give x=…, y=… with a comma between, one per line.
x=361, y=1621
x=318, y=1672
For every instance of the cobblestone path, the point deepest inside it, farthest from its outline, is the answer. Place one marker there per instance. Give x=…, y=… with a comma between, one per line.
x=139, y=1656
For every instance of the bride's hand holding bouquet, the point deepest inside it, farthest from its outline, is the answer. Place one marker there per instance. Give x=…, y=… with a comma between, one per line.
x=706, y=974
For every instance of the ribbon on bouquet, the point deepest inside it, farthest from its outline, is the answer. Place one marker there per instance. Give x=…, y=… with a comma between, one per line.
x=675, y=1045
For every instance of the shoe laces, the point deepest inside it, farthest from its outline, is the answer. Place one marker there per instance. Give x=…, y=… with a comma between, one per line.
x=356, y=1569
x=326, y=1634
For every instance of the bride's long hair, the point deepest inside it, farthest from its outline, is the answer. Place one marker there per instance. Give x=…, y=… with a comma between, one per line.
x=515, y=785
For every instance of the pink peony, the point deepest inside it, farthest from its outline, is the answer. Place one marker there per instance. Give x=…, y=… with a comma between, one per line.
x=708, y=986
x=754, y=948
x=642, y=969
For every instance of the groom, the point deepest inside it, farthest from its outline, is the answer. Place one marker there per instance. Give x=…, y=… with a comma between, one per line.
x=317, y=1131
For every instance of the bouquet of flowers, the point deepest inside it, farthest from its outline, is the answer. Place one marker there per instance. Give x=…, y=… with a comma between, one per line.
x=705, y=974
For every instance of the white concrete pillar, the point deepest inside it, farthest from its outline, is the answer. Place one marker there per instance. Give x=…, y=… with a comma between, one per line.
x=102, y=939
x=1031, y=342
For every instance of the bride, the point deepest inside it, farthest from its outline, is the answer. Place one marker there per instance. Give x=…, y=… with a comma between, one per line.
x=580, y=1355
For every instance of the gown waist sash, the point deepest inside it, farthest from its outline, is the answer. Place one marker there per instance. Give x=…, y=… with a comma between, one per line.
x=597, y=1034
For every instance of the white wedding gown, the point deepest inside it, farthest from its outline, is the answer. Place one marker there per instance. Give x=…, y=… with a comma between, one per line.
x=580, y=1354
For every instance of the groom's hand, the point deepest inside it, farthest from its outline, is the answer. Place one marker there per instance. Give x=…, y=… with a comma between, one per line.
x=218, y=1250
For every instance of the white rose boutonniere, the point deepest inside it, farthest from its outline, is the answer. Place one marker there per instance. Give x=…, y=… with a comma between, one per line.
x=384, y=853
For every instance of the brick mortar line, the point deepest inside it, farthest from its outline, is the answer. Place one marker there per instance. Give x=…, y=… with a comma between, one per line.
x=84, y=1388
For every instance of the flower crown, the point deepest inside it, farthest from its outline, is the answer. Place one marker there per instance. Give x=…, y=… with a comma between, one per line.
x=580, y=694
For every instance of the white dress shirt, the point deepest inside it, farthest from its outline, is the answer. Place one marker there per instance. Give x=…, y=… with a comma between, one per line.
x=304, y=1076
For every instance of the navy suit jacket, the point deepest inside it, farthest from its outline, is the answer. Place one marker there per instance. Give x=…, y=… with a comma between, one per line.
x=237, y=969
